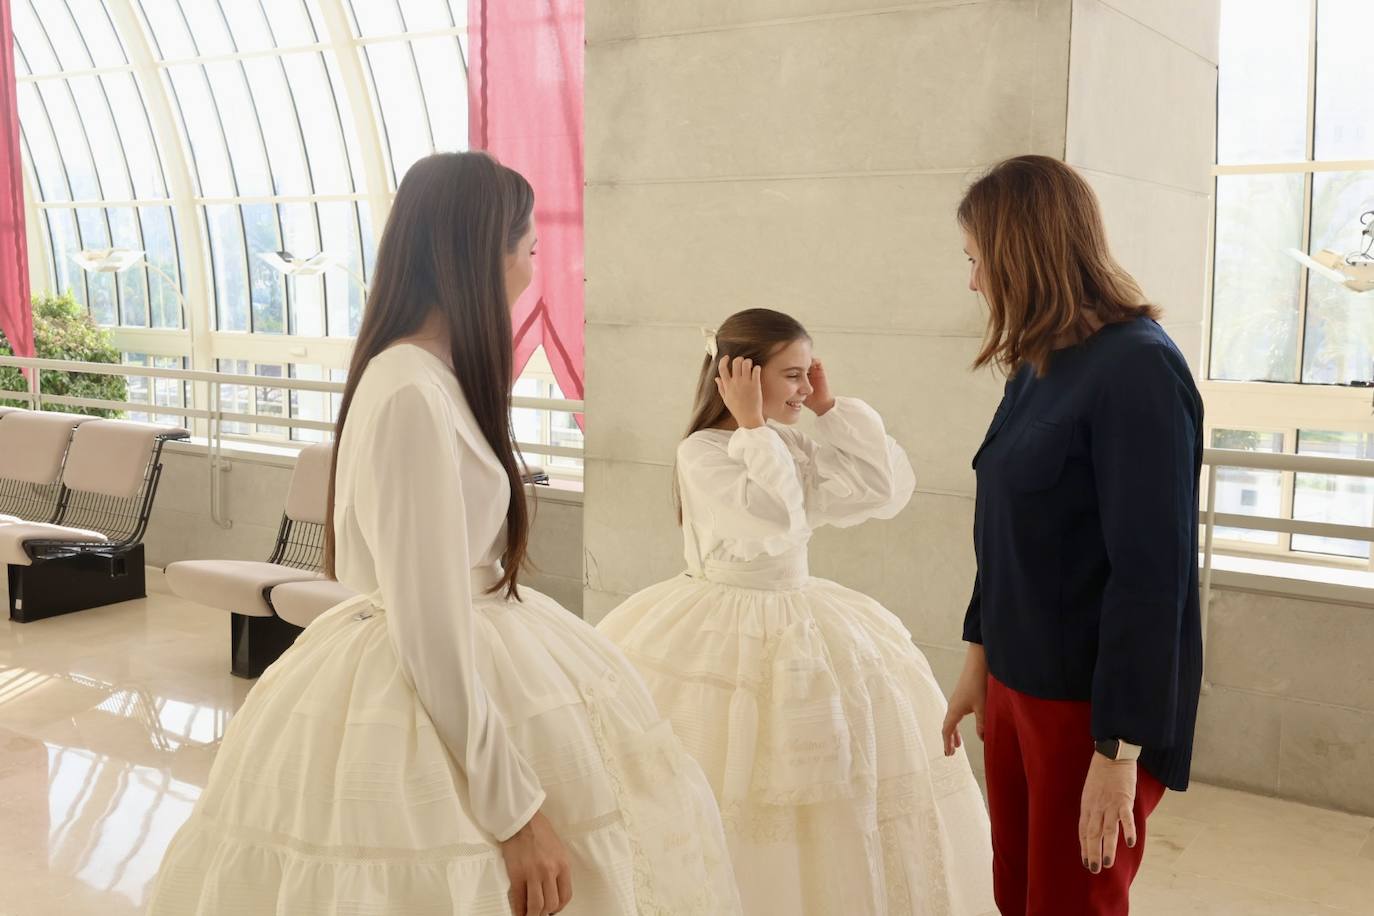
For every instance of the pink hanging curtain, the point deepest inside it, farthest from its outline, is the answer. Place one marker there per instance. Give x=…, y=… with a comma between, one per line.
x=525, y=107
x=16, y=312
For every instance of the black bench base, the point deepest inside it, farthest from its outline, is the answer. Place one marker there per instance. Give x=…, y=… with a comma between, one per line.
x=257, y=642
x=52, y=587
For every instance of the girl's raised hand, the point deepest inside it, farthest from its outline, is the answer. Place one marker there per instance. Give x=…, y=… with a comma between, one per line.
x=821, y=400
x=740, y=383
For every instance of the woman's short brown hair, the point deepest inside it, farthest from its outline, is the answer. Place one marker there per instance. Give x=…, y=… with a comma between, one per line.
x=1044, y=261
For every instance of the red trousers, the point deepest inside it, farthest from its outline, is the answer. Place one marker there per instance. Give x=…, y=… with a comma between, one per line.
x=1037, y=754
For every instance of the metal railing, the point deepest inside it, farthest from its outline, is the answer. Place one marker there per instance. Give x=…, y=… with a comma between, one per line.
x=1215, y=459
x=208, y=389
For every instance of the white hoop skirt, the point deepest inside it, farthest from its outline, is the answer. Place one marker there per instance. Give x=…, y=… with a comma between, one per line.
x=818, y=723
x=333, y=794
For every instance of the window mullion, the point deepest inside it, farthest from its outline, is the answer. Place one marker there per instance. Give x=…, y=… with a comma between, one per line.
x=1288, y=482
x=1307, y=184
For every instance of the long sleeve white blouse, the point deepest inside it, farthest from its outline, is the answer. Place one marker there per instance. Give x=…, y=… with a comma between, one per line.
x=420, y=508
x=762, y=491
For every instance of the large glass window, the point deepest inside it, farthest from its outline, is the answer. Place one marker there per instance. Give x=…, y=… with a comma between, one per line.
x=1295, y=171
x=264, y=123
x=1294, y=175
x=206, y=134
x=1244, y=491
x=1334, y=498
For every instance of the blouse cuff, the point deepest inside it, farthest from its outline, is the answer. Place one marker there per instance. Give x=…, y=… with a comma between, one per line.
x=524, y=818
x=849, y=420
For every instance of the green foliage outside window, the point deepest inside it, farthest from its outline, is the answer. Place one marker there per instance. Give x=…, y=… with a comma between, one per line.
x=62, y=329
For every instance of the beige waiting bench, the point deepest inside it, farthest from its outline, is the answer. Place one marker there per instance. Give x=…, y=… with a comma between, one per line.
x=76, y=495
x=33, y=448
x=270, y=602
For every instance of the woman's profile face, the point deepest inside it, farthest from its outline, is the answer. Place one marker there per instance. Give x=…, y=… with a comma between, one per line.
x=520, y=266
x=974, y=258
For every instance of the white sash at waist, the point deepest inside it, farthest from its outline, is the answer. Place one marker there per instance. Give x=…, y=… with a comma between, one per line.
x=788, y=571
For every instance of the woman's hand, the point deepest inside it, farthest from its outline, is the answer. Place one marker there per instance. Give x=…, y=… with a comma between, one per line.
x=1107, y=810
x=970, y=698
x=537, y=864
x=740, y=383
x=821, y=400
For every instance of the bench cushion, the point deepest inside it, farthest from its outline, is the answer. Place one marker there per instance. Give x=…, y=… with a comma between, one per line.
x=111, y=457
x=231, y=585
x=308, y=498
x=33, y=444
x=302, y=602
x=13, y=536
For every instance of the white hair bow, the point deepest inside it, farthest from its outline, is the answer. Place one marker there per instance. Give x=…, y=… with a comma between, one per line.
x=712, y=350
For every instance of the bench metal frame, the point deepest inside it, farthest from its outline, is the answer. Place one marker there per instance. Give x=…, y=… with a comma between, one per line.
x=68, y=576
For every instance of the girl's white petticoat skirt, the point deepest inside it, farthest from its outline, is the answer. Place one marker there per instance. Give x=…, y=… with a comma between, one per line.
x=818, y=723
x=332, y=794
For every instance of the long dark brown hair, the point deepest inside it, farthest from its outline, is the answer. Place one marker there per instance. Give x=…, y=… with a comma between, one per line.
x=455, y=217
x=755, y=334
x=1045, y=263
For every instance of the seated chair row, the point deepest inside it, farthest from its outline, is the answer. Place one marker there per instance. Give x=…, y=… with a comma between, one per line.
x=271, y=602
x=76, y=494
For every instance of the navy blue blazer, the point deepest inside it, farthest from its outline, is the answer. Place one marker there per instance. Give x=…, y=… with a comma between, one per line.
x=1086, y=534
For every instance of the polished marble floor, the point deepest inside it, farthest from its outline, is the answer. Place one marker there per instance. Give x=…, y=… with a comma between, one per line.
x=109, y=721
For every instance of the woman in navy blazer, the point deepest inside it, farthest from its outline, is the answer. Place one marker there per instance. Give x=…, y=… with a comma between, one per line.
x=1085, y=647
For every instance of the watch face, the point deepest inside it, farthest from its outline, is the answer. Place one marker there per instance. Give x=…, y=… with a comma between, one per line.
x=1109, y=748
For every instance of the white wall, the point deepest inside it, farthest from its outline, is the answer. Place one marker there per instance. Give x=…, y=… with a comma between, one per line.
x=1142, y=128
x=181, y=527
x=1290, y=709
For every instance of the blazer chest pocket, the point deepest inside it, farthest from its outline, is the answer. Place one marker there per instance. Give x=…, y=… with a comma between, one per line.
x=1037, y=460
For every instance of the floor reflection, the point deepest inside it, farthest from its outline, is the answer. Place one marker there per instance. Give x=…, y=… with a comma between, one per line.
x=109, y=721
x=169, y=724
x=110, y=821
